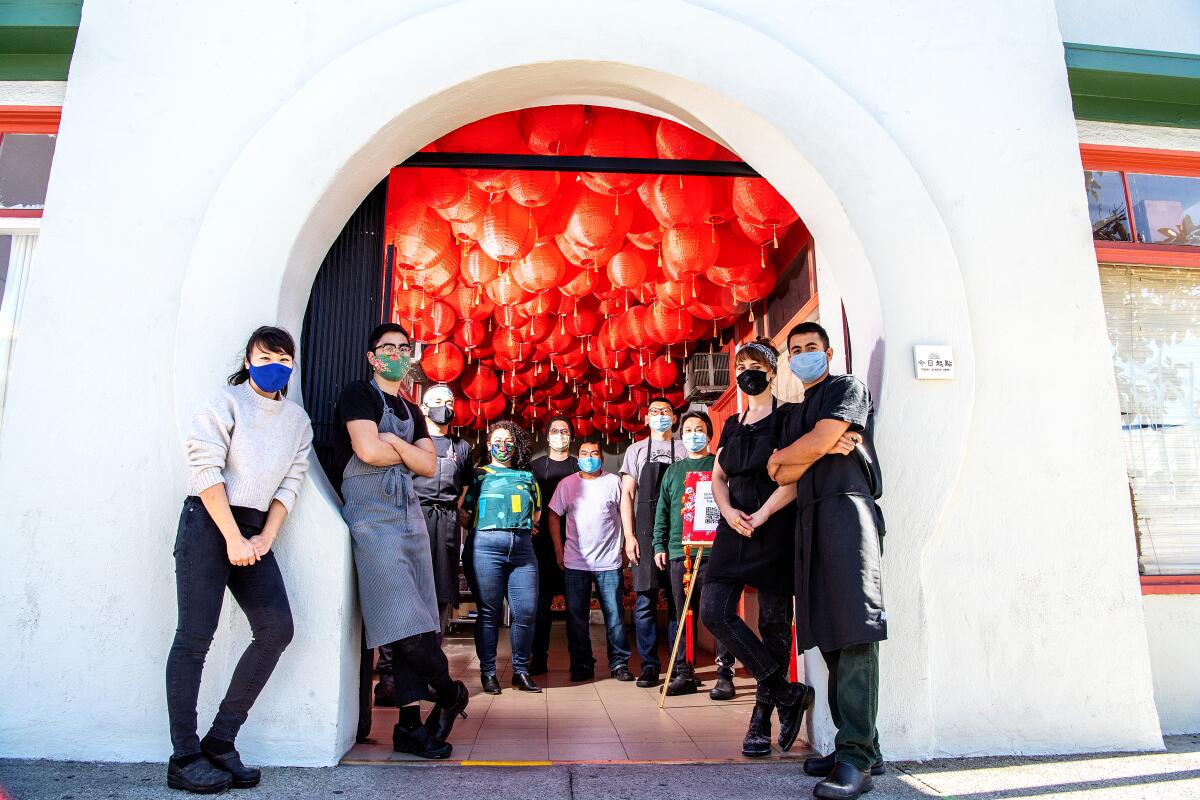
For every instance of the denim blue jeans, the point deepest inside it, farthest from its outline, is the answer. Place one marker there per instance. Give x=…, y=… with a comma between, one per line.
x=645, y=625
x=202, y=573
x=578, y=595
x=502, y=564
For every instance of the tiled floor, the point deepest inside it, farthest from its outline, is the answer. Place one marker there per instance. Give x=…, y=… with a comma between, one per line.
x=599, y=721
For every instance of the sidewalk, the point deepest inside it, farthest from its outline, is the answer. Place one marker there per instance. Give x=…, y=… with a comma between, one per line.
x=1174, y=775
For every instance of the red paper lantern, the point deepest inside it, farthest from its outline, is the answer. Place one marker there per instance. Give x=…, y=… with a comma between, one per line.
x=673, y=140
x=472, y=205
x=437, y=276
x=509, y=232
x=505, y=291
x=478, y=268
x=721, y=209
x=559, y=339
x=628, y=269
x=470, y=335
x=577, y=281
x=533, y=188
x=420, y=235
x=435, y=322
x=479, y=382
x=535, y=374
x=511, y=316
x=582, y=321
x=634, y=374
x=551, y=130
x=538, y=329
x=738, y=260
x=594, y=224
x=689, y=249
x=470, y=303
x=680, y=199
x=511, y=343
x=662, y=372
x=463, y=415
x=440, y=188
x=562, y=403
x=672, y=325
x=512, y=385
x=495, y=134
x=552, y=218
x=756, y=201
x=605, y=424
x=673, y=294
x=443, y=362
x=644, y=231
x=408, y=303
x=547, y=302
x=583, y=427
x=616, y=134
x=623, y=410
x=612, y=388
x=489, y=409
x=541, y=269
x=757, y=289
x=467, y=233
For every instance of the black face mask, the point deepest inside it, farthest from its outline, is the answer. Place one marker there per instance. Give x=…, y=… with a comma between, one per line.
x=440, y=415
x=753, y=382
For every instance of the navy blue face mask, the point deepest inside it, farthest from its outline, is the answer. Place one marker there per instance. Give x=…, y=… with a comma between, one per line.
x=270, y=377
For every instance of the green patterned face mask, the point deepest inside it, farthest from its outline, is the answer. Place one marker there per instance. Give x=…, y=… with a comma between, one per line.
x=393, y=368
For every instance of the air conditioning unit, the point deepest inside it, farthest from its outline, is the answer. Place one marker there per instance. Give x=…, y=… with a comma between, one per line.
x=706, y=376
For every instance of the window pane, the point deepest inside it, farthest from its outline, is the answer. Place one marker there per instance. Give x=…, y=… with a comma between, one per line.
x=1166, y=209
x=1153, y=316
x=25, y=169
x=1106, y=206
x=5, y=255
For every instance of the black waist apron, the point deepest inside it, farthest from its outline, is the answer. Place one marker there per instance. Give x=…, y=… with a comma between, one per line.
x=765, y=559
x=839, y=553
x=645, y=574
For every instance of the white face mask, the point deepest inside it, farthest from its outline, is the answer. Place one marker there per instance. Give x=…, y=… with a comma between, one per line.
x=559, y=441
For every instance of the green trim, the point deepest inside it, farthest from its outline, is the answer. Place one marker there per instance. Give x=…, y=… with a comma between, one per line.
x=1145, y=87
x=37, y=38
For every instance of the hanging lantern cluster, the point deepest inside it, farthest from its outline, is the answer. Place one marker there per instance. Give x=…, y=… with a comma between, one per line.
x=540, y=293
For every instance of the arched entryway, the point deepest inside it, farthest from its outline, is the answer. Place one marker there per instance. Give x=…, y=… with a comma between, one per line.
x=851, y=183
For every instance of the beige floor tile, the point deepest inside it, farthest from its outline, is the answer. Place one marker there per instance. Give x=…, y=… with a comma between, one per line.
x=586, y=751
x=666, y=751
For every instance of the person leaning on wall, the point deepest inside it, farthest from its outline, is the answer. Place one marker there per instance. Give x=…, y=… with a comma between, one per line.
x=248, y=450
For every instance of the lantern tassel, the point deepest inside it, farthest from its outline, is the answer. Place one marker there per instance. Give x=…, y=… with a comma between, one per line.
x=775, y=235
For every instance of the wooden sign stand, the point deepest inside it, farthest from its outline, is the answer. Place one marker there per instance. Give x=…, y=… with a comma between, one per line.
x=693, y=569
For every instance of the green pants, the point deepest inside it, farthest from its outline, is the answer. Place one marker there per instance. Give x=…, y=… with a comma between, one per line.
x=854, y=702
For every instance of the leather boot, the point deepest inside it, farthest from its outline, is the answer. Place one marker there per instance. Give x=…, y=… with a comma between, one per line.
x=682, y=682
x=522, y=681
x=723, y=690
x=791, y=703
x=490, y=684
x=418, y=742
x=821, y=766
x=440, y=721
x=200, y=777
x=385, y=691
x=230, y=761
x=758, y=735
x=846, y=782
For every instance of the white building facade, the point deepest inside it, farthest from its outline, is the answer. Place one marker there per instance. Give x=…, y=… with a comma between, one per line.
x=208, y=154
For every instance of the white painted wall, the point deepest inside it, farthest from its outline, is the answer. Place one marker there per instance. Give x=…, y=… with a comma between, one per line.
x=1172, y=26
x=1173, y=628
x=32, y=93
x=909, y=153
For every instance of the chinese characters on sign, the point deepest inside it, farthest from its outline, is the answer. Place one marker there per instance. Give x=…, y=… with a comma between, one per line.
x=700, y=512
x=933, y=362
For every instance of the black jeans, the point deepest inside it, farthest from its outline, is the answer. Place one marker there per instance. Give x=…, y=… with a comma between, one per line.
x=854, y=702
x=724, y=657
x=202, y=572
x=763, y=657
x=417, y=662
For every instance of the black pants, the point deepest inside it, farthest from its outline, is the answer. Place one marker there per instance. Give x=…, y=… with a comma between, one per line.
x=202, y=572
x=550, y=583
x=854, y=702
x=763, y=657
x=724, y=657
x=417, y=662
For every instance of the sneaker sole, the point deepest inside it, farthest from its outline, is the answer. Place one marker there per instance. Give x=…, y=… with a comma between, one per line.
x=756, y=753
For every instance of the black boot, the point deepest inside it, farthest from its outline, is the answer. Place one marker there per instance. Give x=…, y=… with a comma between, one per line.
x=385, y=691
x=682, y=682
x=225, y=758
x=723, y=690
x=791, y=701
x=198, y=776
x=418, y=742
x=758, y=735
x=490, y=684
x=821, y=766
x=522, y=681
x=846, y=782
x=648, y=678
x=440, y=721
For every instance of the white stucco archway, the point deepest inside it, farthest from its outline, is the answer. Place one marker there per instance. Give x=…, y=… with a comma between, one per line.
x=311, y=163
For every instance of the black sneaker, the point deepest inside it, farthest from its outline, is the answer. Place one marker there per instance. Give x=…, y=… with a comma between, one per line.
x=622, y=674
x=683, y=683
x=200, y=777
x=648, y=678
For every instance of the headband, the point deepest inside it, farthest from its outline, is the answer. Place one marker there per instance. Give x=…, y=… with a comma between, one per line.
x=767, y=352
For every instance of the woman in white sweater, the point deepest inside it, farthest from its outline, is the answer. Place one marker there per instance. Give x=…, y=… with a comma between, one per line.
x=248, y=452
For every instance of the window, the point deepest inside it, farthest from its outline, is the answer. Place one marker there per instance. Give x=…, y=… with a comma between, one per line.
x=25, y=170
x=1166, y=209
x=1106, y=205
x=1153, y=316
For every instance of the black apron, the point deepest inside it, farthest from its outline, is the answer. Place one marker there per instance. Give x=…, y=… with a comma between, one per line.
x=646, y=575
x=765, y=559
x=439, y=505
x=839, y=535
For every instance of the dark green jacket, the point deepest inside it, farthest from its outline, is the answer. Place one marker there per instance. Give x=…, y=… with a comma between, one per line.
x=668, y=516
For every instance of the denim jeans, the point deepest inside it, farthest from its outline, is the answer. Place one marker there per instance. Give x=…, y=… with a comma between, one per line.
x=645, y=625
x=202, y=572
x=763, y=656
x=609, y=585
x=724, y=657
x=502, y=564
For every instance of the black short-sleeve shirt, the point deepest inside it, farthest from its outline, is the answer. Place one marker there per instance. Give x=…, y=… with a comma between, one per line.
x=361, y=400
x=845, y=398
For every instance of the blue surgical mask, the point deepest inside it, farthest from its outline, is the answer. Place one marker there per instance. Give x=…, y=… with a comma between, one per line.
x=588, y=463
x=808, y=367
x=270, y=377
x=660, y=423
x=695, y=441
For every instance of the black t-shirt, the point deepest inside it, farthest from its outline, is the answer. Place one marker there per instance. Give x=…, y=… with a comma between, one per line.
x=549, y=473
x=362, y=400
x=845, y=398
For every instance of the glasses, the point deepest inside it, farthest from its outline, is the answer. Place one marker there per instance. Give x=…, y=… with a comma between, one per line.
x=395, y=349
x=659, y=411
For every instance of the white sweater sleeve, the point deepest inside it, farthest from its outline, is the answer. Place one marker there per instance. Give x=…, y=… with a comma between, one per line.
x=289, y=488
x=208, y=438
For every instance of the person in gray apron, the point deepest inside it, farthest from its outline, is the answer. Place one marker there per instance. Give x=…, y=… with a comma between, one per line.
x=839, y=534
x=439, y=496
x=390, y=542
x=642, y=470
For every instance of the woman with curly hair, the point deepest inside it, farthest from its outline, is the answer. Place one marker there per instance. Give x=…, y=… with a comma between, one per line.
x=501, y=511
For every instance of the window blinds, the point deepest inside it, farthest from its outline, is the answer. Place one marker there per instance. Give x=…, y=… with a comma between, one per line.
x=1153, y=316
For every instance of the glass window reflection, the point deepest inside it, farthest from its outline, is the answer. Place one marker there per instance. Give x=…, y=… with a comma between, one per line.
x=1166, y=208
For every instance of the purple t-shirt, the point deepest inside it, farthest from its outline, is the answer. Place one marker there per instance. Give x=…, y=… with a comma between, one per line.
x=592, y=508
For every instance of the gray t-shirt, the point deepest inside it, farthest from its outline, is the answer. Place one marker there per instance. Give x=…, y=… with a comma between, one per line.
x=592, y=508
x=647, y=449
